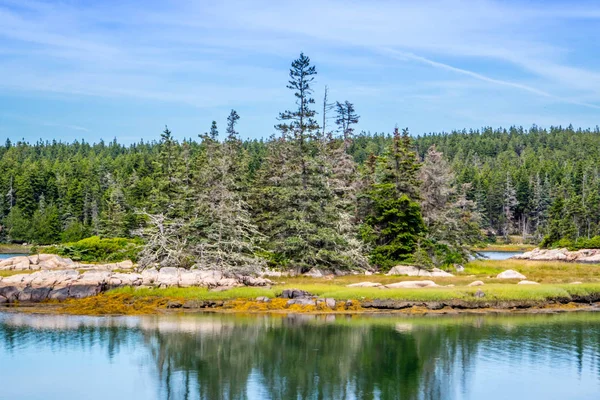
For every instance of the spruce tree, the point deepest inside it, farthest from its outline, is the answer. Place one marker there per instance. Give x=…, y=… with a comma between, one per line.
x=296, y=207
x=394, y=225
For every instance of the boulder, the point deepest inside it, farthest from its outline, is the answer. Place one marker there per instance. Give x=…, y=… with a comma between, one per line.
x=59, y=294
x=527, y=283
x=479, y=294
x=459, y=268
x=364, y=284
x=10, y=293
x=263, y=299
x=149, y=276
x=411, y=284
x=294, y=294
x=189, y=278
x=51, y=278
x=368, y=273
x=122, y=279
x=329, y=302
x=80, y=291
x=411, y=270
x=167, y=277
x=476, y=283
x=510, y=274
x=22, y=264
x=302, y=301
x=228, y=282
x=314, y=273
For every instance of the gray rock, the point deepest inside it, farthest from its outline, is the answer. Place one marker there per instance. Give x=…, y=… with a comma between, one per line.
x=329, y=302
x=459, y=268
x=294, y=294
x=59, y=294
x=479, y=294
x=80, y=291
x=263, y=299
x=9, y=292
x=302, y=301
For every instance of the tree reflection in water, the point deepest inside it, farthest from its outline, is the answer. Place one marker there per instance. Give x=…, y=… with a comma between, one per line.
x=316, y=357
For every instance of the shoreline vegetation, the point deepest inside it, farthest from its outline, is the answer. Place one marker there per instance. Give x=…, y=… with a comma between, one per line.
x=562, y=287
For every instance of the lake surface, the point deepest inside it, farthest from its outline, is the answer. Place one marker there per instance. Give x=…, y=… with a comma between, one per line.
x=204, y=356
x=8, y=255
x=499, y=255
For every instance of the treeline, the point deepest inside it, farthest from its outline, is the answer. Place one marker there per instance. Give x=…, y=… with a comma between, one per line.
x=315, y=194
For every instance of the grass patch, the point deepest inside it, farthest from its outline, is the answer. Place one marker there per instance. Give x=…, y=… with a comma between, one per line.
x=9, y=248
x=539, y=271
x=507, y=247
x=493, y=292
x=5, y=273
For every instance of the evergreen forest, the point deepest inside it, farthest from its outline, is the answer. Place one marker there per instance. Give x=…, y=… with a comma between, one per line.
x=316, y=193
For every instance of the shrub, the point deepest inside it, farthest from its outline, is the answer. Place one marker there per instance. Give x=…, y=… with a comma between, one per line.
x=96, y=249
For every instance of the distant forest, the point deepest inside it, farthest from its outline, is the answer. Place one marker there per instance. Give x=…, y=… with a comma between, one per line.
x=315, y=194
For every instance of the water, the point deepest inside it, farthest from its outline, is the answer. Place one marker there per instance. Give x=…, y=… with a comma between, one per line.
x=300, y=357
x=499, y=255
x=10, y=255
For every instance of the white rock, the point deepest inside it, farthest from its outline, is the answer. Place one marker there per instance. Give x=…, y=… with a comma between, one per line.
x=168, y=276
x=510, y=274
x=149, y=276
x=527, y=283
x=189, y=278
x=314, y=273
x=411, y=284
x=364, y=284
x=411, y=270
x=476, y=283
x=94, y=278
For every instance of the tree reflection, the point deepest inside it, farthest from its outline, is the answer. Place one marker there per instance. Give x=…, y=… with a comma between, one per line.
x=300, y=357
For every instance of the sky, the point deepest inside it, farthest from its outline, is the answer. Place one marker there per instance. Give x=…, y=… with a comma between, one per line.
x=124, y=69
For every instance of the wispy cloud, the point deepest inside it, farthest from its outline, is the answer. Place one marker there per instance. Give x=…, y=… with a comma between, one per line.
x=234, y=53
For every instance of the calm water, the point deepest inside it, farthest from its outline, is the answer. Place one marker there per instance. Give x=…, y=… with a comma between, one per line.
x=3, y=256
x=499, y=255
x=300, y=357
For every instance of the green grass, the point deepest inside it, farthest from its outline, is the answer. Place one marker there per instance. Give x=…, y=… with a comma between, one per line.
x=507, y=247
x=7, y=248
x=493, y=292
x=4, y=273
x=539, y=271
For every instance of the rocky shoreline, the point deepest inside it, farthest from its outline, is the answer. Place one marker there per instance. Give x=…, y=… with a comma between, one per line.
x=586, y=256
x=57, y=278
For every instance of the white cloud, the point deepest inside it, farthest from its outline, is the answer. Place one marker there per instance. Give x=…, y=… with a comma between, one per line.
x=222, y=53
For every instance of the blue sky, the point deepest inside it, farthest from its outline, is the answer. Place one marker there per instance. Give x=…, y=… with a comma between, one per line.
x=124, y=69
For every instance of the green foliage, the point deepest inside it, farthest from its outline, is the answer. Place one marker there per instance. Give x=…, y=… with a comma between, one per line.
x=96, y=249
x=393, y=228
x=17, y=225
